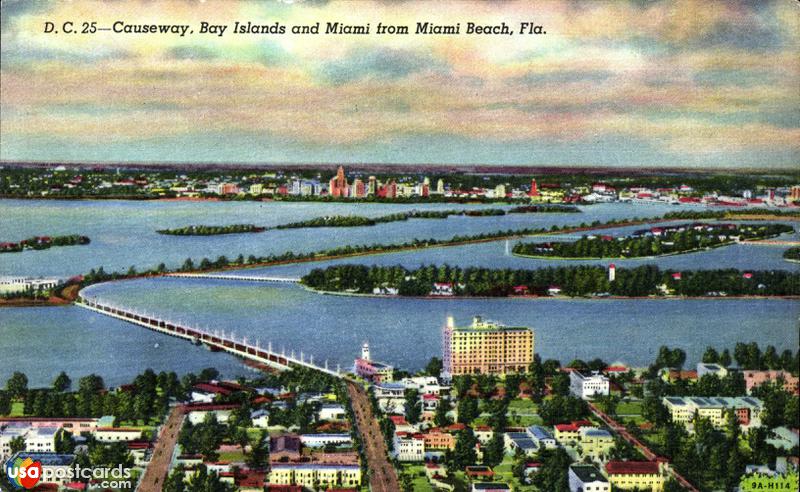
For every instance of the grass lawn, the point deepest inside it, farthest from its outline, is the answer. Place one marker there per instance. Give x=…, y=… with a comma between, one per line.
x=503, y=473
x=418, y=474
x=523, y=406
x=232, y=456
x=629, y=408
x=16, y=409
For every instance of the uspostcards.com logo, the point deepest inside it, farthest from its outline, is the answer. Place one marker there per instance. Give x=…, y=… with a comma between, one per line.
x=23, y=473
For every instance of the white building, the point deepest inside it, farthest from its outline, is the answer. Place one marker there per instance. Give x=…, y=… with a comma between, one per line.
x=117, y=434
x=260, y=418
x=331, y=411
x=408, y=447
x=587, y=387
x=322, y=440
x=587, y=478
x=10, y=285
x=426, y=385
x=711, y=369
x=37, y=439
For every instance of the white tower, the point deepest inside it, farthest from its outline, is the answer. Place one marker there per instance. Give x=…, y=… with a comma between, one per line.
x=612, y=272
x=365, y=351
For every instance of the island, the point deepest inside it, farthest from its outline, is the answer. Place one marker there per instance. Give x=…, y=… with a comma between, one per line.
x=210, y=230
x=654, y=241
x=43, y=242
x=360, y=221
x=792, y=254
x=577, y=281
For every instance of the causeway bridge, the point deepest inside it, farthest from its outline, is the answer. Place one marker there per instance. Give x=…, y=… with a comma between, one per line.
x=218, y=341
x=246, y=278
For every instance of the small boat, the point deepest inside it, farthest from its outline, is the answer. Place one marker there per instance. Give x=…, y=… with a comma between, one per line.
x=156, y=345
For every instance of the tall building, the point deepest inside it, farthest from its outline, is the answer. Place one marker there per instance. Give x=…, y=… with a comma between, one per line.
x=338, y=184
x=534, y=189
x=486, y=347
x=612, y=272
x=372, y=187
x=440, y=187
x=359, y=189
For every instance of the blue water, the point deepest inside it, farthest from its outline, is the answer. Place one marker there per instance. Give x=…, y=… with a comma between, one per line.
x=406, y=332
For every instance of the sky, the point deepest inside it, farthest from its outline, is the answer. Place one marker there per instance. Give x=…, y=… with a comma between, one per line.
x=694, y=84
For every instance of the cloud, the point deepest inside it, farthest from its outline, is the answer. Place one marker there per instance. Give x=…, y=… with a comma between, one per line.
x=379, y=64
x=674, y=81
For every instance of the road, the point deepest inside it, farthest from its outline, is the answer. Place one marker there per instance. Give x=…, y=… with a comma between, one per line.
x=157, y=469
x=642, y=447
x=383, y=477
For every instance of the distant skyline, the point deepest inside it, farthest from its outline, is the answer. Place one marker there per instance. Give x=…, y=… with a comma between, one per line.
x=679, y=84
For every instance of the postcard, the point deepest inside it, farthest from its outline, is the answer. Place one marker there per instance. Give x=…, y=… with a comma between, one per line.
x=374, y=245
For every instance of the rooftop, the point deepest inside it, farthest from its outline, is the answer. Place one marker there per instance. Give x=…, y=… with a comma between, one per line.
x=46, y=459
x=632, y=468
x=588, y=473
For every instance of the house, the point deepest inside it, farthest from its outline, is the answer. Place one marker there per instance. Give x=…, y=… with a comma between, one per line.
x=425, y=385
x=569, y=433
x=260, y=418
x=284, y=447
x=438, y=438
x=483, y=433
x=753, y=379
x=332, y=412
x=682, y=409
x=315, y=476
x=117, y=434
x=554, y=290
x=519, y=440
x=588, y=386
x=541, y=437
x=442, y=289
x=74, y=426
x=408, y=446
x=196, y=412
x=322, y=440
x=587, y=478
x=711, y=369
x=595, y=443
x=37, y=439
x=642, y=475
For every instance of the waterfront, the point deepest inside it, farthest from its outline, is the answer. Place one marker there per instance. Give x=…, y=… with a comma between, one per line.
x=402, y=331
x=405, y=332
x=123, y=233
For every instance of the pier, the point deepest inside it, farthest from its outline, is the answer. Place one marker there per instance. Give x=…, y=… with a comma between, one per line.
x=215, y=341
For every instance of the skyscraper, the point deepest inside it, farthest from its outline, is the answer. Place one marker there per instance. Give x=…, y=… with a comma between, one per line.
x=338, y=185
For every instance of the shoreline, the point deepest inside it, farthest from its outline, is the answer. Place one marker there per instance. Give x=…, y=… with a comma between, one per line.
x=72, y=295
x=559, y=298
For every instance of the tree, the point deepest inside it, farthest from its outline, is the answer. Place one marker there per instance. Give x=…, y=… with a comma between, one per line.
x=434, y=367
x=176, y=482
x=62, y=382
x=17, y=444
x=17, y=385
x=494, y=450
x=257, y=459
x=5, y=403
x=464, y=453
x=553, y=474
x=710, y=356
x=467, y=410
x=412, y=406
x=440, y=418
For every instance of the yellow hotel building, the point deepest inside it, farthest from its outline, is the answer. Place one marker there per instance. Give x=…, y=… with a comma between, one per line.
x=486, y=347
